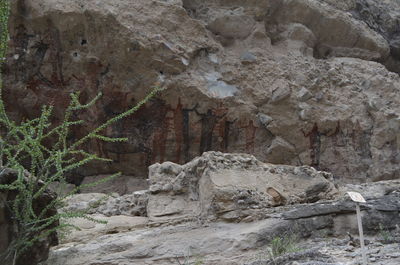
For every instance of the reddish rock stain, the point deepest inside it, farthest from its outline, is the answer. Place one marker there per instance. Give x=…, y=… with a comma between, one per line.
x=250, y=131
x=178, y=129
x=314, y=137
x=222, y=134
x=160, y=135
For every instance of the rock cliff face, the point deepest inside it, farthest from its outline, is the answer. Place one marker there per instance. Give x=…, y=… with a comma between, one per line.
x=296, y=82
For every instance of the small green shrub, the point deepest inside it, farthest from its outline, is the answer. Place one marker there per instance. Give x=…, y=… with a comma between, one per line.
x=189, y=259
x=385, y=235
x=25, y=142
x=281, y=245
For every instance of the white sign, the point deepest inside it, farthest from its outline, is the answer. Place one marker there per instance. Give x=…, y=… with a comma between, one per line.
x=355, y=196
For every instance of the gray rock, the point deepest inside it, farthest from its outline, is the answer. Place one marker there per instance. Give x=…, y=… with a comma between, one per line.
x=134, y=204
x=280, y=93
x=248, y=58
x=230, y=187
x=304, y=94
x=264, y=119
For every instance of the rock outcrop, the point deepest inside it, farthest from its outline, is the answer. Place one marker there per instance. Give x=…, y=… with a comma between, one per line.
x=226, y=208
x=231, y=187
x=297, y=82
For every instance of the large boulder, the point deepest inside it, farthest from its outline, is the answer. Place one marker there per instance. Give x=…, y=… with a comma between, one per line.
x=337, y=33
x=231, y=187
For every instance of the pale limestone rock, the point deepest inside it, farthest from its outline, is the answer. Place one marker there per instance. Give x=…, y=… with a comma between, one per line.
x=134, y=204
x=92, y=229
x=230, y=186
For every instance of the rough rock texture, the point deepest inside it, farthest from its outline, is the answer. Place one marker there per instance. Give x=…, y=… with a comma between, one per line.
x=381, y=16
x=231, y=187
x=120, y=185
x=40, y=249
x=298, y=82
x=224, y=209
x=134, y=204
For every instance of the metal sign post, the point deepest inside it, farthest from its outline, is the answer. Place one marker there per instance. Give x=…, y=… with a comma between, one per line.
x=358, y=198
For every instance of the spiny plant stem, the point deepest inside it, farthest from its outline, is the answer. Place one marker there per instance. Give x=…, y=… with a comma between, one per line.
x=23, y=149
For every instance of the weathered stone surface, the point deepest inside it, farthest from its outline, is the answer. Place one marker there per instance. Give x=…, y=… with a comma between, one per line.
x=231, y=186
x=383, y=17
x=133, y=204
x=348, y=125
x=337, y=33
x=90, y=230
x=84, y=202
x=121, y=185
x=321, y=227
x=384, y=210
